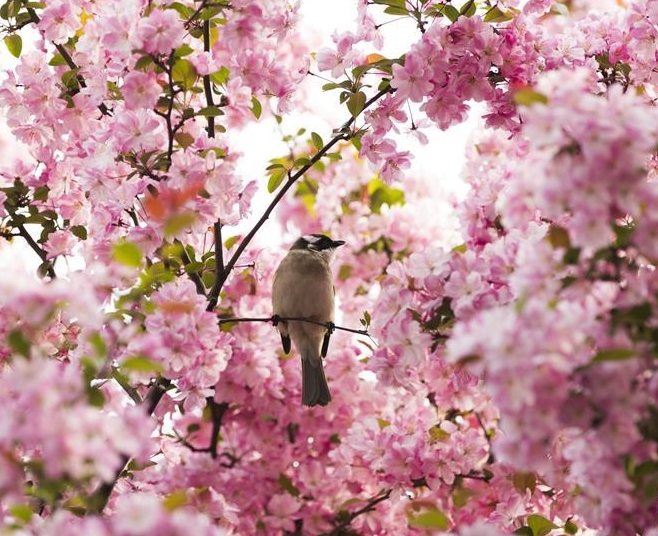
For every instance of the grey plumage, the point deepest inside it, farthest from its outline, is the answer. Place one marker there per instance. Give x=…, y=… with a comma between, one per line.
x=303, y=287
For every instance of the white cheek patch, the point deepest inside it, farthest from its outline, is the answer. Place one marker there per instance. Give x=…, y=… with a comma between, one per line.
x=311, y=239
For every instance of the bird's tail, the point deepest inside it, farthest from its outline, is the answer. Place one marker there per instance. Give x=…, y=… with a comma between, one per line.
x=314, y=383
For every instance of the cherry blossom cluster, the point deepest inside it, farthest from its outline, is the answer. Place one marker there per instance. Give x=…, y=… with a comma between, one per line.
x=507, y=379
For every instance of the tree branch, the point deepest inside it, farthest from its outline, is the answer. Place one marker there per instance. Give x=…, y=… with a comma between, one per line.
x=276, y=319
x=342, y=522
x=196, y=279
x=69, y=61
x=98, y=500
x=207, y=87
x=342, y=135
x=22, y=231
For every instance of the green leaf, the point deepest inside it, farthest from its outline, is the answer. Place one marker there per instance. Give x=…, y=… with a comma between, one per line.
x=41, y=193
x=221, y=76
x=256, y=107
x=18, y=343
x=21, y=512
x=391, y=3
x=558, y=237
x=174, y=500
x=194, y=267
x=184, y=11
x=301, y=162
x=140, y=363
x=79, y=231
x=614, y=354
x=316, y=139
x=356, y=103
x=288, y=486
x=431, y=519
x=14, y=44
x=382, y=194
x=184, y=139
x=539, y=525
x=183, y=50
x=398, y=11
x=524, y=531
x=178, y=222
x=127, y=253
x=524, y=481
x=468, y=9
x=276, y=179
x=70, y=79
x=98, y=345
x=451, y=12
x=230, y=242
x=345, y=271
x=210, y=111
x=495, y=14
x=57, y=60
x=570, y=527
x=184, y=73
x=95, y=397
x=143, y=63
x=383, y=423
x=528, y=97
x=11, y=9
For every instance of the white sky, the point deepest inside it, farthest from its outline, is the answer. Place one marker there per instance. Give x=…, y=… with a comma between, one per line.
x=440, y=160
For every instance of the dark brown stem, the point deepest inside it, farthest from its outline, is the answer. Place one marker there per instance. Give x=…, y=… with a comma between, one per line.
x=98, y=500
x=275, y=319
x=217, y=412
x=219, y=262
x=340, y=527
x=22, y=231
x=196, y=279
x=207, y=87
x=69, y=61
x=344, y=134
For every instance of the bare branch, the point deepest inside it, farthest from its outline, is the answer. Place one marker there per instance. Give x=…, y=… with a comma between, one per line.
x=342, y=522
x=276, y=319
x=69, y=61
x=98, y=499
x=344, y=134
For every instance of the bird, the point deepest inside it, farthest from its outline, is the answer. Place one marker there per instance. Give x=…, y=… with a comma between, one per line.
x=303, y=288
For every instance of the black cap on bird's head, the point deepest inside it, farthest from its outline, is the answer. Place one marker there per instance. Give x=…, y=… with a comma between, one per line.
x=317, y=242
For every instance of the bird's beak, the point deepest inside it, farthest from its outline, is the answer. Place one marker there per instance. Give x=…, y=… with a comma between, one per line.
x=337, y=243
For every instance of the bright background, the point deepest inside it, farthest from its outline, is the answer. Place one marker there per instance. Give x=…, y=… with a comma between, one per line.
x=438, y=163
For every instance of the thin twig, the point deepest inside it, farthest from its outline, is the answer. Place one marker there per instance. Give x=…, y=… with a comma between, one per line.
x=339, y=528
x=207, y=87
x=274, y=319
x=217, y=412
x=219, y=259
x=194, y=276
x=343, y=134
x=98, y=499
x=69, y=61
x=22, y=231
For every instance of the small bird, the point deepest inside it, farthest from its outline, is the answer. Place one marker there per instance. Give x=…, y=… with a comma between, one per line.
x=303, y=288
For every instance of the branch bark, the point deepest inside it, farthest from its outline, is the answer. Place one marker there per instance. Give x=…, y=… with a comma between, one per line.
x=344, y=134
x=98, y=500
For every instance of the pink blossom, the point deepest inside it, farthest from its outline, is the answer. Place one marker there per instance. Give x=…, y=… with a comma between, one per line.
x=60, y=242
x=160, y=32
x=411, y=79
x=140, y=90
x=59, y=21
